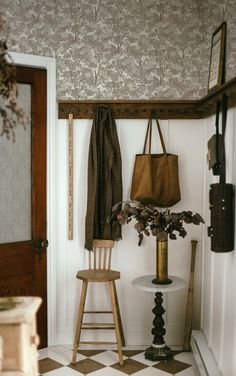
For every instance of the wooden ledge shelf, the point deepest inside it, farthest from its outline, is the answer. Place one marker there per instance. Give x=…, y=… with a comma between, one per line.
x=142, y=109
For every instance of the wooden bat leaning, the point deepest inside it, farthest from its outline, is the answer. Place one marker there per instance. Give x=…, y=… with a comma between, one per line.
x=189, y=308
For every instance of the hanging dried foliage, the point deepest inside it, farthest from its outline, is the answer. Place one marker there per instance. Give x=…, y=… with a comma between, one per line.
x=10, y=114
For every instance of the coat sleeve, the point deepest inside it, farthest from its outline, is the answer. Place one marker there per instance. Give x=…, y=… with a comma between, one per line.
x=92, y=186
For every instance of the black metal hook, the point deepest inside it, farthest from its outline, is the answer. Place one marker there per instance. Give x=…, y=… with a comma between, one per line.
x=153, y=114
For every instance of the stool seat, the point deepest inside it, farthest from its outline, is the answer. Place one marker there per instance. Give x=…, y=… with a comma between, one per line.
x=93, y=275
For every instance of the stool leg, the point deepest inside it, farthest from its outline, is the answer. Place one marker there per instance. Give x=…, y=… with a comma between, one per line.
x=79, y=320
x=117, y=329
x=118, y=315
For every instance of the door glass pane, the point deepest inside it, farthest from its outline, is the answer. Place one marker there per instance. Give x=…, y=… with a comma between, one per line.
x=15, y=178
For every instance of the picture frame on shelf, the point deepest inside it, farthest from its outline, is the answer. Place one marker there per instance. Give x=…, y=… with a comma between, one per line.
x=217, y=58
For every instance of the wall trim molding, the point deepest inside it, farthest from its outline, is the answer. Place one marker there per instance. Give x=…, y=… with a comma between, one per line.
x=229, y=147
x=143, y=109
x=49, y=64
x=204, y=206
x=203, y=356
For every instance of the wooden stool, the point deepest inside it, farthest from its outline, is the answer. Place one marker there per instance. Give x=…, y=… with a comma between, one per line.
x=100, y=271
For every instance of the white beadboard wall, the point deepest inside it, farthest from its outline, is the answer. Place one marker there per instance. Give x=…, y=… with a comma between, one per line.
x=218, y=317
x=183, y=137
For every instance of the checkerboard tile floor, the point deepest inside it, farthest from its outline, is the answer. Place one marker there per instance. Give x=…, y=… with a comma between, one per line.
x=55, y=361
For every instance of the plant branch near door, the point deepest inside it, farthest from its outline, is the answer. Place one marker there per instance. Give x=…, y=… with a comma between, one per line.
x=162, y=224
x=10, y=114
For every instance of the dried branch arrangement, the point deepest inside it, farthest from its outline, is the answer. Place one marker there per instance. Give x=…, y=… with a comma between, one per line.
x=151, y=221
x=10, y=114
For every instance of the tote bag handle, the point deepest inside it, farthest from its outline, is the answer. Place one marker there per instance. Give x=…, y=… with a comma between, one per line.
x=148, y=137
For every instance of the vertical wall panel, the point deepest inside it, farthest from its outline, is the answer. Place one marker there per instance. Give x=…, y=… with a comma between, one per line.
x=184, y=138
x=219, y=274
x=217, y=304
x=228, y=345
x=229, y=322
x=207, y=272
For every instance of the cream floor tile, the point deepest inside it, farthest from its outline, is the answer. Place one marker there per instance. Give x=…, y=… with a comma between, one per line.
x=189, y=372
x=69, y=347
x=151, y=372
x=61, y=348
x=107, y=372
x=64, y=371
x=186, y=357
x=141, y=358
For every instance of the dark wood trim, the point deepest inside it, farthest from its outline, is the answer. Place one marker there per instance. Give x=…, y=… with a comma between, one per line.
x=39, y=188
x=37, y=77
x=142, y=109
x=207, y=105
x=128, y=109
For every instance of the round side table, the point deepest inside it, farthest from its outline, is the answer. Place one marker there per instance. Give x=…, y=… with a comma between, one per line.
x=158, y=350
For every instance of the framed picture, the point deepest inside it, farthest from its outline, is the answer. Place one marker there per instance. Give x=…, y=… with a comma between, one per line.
x=217, y=58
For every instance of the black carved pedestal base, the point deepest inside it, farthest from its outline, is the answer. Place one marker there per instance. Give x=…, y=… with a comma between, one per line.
x=158, y=350
x=163, y=353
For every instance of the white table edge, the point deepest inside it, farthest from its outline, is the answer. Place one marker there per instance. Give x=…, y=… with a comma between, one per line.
x=145, y=283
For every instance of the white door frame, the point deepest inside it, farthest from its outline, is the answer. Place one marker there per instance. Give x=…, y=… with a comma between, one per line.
x=50, y=65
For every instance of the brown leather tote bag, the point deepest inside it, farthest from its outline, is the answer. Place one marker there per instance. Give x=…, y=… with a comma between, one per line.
x=155, y=177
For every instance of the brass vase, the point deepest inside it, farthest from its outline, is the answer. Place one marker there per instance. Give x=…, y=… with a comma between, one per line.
x=161, y=263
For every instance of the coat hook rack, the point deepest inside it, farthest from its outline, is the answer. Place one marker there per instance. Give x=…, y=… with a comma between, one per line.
x=142, y=109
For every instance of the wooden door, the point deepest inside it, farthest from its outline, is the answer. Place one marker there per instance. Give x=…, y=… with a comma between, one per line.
x=23, y=199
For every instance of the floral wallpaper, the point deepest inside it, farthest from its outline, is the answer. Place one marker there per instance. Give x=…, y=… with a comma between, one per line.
x=123, y=49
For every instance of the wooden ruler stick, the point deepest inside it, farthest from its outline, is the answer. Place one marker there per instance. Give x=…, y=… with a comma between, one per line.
x=70, y=177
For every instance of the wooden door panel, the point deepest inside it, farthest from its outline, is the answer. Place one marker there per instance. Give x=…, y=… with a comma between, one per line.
x=23, y=263
x=23, y=269
x=17, y=285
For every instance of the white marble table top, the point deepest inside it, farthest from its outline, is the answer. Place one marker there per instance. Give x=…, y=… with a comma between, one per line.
x=145, y=283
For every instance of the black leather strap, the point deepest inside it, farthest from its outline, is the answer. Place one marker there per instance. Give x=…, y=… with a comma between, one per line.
x=224, y=121
x=217, y=136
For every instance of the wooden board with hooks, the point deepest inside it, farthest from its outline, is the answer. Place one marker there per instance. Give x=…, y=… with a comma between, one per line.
x=141, y=109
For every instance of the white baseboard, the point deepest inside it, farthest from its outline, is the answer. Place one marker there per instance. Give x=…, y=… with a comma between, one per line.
x=203, y=356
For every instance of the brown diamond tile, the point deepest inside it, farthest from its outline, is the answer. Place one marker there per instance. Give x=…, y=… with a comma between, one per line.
x=89, y=353
x=172, y=366
x=130, y=353
x=86, y=366
x=130, y=366
x=47, y=364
